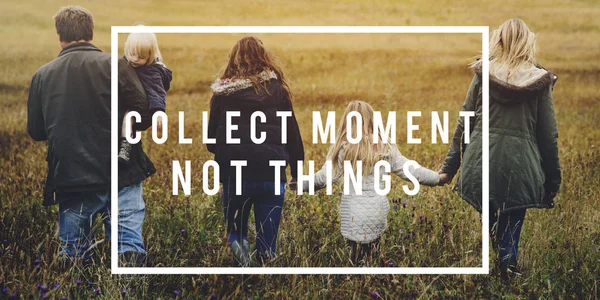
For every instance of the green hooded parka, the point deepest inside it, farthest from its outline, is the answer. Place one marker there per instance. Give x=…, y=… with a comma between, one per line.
x=524, y=168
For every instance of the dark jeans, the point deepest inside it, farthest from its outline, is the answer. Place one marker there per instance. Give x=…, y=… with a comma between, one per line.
x=505, y=232
x=267, y=213
x=361, y=252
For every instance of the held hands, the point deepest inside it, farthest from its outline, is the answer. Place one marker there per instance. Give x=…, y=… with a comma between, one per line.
x=444, y=178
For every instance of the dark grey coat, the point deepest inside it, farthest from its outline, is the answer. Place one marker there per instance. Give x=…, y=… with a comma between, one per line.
x=69, y=105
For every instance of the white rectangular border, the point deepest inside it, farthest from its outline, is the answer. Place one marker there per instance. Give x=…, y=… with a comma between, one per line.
x=483, y=30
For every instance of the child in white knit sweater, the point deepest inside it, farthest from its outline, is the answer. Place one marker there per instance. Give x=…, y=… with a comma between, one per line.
x=364, y=214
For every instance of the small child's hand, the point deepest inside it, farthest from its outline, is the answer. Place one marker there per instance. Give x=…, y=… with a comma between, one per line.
x=444, y=178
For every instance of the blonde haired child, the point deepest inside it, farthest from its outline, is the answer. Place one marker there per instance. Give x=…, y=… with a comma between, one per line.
x=364, y=217
x=143, y=54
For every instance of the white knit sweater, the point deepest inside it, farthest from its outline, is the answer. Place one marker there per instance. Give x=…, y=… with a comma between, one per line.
x=364, y=217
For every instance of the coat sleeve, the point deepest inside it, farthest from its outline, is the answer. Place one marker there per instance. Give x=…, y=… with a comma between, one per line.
x=213, y=122
x=36, y=126
x=423, y=175
x=321, y=175
x=157, y=95
x=547, y=137
x=294, y=145
x=453, y=158
x=131, y=92
x=320, y=179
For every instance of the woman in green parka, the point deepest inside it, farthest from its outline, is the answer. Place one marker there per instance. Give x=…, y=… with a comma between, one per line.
x=523, y=139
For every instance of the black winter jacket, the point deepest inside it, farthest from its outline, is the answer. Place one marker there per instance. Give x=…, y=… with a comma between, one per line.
x=69, y=105
x=247, y=101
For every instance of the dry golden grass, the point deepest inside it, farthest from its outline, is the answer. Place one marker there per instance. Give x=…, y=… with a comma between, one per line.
x=559, y=249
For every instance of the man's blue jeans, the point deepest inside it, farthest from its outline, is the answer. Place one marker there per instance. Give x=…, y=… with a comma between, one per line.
x=267, y=213
x=77, y=213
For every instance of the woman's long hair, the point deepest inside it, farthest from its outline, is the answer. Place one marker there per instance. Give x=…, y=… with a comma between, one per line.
x=365, y=151
x=248, y=59
x=511, y=46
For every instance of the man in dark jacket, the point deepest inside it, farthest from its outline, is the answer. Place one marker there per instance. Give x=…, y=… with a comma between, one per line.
x=69, y=106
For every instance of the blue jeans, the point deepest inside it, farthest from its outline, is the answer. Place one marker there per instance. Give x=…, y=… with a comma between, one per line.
x=505, y=232
x=267, y=212
x=78, y=212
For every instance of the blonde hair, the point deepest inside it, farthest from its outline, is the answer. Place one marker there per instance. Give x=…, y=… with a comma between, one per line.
x=365, y=150
x=142, y=45
x=511, y=46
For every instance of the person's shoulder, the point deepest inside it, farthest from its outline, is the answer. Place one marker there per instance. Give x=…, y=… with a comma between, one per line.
x=275, y=87
x=476, y=68
x=98, y=56
x=44, y=68
x=124, y=66
x=551, y=74
x=151, y=69
x=393, y=151
x=159, y=65
x=103, y=56
x=47, y=67
x=392, y=154
x=122, y=61
x=161, y=69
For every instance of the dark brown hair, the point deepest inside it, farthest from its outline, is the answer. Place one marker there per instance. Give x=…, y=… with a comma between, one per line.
x=248, y=59
x=74, y=23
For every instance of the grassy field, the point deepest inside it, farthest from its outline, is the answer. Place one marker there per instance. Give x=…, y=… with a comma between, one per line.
x=560, y=248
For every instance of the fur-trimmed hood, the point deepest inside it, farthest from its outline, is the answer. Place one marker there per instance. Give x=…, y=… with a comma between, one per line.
x=526, y=80
x=227, y=86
